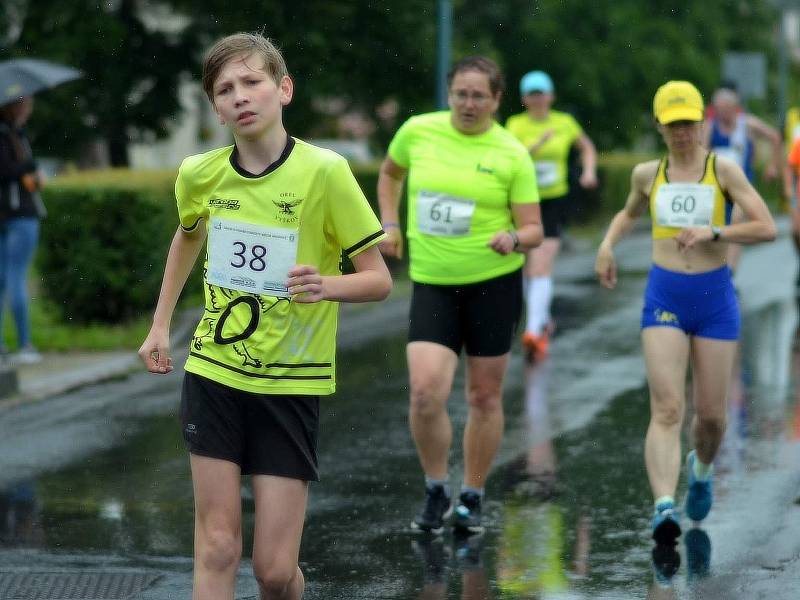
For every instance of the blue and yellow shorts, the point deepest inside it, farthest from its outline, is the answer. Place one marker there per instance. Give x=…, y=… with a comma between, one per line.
x=700, y=304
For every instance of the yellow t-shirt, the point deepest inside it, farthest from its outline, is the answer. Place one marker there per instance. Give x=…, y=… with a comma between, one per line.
x=677, y=205
x=258, y=342
x=551, y=157
x=460, y=192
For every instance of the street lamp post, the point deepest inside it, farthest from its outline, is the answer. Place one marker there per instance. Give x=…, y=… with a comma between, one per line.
x=444, y=42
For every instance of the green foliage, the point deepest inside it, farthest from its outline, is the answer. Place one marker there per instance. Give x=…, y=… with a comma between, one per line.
x=615, y=174
x=607, y=58
x=131, y=72
x=103, y=247
x=50, y=331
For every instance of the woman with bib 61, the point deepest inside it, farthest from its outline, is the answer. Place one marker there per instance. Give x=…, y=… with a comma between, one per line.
x=472, y=210
x=690, y=309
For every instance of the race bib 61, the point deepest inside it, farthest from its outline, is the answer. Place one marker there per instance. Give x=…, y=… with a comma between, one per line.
x=440, y=214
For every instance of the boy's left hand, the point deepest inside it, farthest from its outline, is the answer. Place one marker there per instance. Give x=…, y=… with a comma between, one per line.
x=305, y=284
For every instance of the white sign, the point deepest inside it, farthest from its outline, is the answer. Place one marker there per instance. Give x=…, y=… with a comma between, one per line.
x=250, y=258
x=440, y=214
x=748, y=70
x=546, y=173
x=684, y=205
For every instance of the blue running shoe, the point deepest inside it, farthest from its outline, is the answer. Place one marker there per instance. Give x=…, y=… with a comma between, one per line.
x=698, y=553
x=666, y=528
x=700, y=496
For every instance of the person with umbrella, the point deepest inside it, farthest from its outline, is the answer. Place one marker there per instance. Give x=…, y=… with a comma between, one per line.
x=21, y=206
x=20, y=210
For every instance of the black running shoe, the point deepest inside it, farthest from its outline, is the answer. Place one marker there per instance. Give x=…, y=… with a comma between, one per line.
x=437, y=508
x=468, y=513
x=666, y=562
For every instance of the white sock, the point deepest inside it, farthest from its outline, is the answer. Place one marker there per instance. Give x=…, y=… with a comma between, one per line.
x=701, y=470
x=538, y=298
x=665, y=499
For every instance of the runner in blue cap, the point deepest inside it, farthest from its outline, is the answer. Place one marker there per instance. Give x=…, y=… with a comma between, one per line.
x=549, y=135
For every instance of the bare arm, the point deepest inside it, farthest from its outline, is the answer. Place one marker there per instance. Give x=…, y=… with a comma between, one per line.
x=751, y=221
x=761, y=129
x=390, y=187
x=588, y=154
x=182, y=255
x=370, y=282
x=528, y=232
x=605, y=265
x=759, y=225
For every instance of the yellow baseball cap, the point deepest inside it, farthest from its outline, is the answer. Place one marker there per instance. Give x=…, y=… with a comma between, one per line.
x=677, y=101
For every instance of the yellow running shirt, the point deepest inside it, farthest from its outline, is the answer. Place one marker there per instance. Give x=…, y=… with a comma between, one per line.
x=551, y=157
x=460, y=191
x=305, y=209
x=677, y=205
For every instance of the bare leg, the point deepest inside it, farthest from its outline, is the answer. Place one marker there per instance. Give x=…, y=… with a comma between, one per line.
x=217, y=527
x=431, y=369
x=712, y=365
x=280, y=512
x=666, y=351
x=540, y=260
x=484, y=430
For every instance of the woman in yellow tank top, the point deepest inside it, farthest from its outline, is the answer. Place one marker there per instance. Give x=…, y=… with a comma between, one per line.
x=690, y=311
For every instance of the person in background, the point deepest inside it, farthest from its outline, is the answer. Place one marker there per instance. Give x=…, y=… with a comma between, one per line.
x=473, y=209
x=264, y=351
x=549, y=135
x=21, y=209
x=731, y=132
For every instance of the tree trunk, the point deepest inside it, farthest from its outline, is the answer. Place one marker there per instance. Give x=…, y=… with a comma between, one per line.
x=118, y=149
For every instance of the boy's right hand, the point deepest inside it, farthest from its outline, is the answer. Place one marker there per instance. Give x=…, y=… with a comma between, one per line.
x=155, y=352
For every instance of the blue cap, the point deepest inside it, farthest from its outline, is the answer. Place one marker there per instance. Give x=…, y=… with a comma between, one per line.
x=536, y=81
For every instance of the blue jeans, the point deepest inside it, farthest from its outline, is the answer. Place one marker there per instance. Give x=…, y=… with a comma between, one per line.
x=18, y=239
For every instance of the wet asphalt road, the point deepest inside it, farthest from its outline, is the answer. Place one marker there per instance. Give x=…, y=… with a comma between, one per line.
x=97, y=481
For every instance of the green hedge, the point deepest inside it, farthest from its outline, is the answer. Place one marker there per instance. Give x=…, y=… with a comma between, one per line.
x=104, y=243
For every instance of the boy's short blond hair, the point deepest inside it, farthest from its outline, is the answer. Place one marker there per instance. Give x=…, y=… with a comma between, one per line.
x=241, y=45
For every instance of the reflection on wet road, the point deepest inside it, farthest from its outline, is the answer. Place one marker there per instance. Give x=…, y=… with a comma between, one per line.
x=568, y=505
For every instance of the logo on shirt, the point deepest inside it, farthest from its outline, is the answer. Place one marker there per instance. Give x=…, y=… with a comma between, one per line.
x=286, y=206
x=482, y=169
x=244, y=281
x=226, y=203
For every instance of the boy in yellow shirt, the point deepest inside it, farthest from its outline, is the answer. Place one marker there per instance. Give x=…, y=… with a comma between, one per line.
x=277, y=213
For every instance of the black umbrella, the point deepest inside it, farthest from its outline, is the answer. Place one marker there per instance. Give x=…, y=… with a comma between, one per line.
x=26, y=76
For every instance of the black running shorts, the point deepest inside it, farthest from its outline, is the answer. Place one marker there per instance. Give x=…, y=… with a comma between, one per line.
x=264, y=434
x=555, y=215
x=479, y=317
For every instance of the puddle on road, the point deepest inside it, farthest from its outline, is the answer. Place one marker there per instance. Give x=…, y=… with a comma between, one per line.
x=567, y=518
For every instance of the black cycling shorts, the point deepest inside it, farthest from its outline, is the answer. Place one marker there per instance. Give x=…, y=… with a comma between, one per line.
x=555, y=215
x=479, y=317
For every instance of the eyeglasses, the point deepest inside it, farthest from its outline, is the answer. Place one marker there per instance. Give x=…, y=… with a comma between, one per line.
x=462, y=97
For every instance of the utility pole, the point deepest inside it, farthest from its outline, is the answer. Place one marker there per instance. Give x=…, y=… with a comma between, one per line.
x=444, y=43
